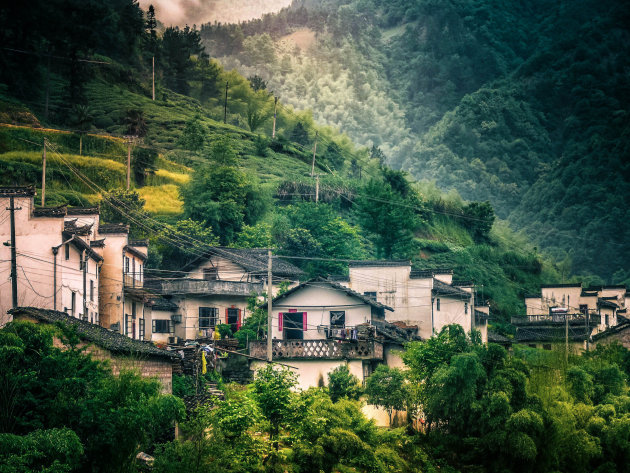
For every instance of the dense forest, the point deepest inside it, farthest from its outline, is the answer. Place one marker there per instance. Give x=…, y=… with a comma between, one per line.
x=524, y=105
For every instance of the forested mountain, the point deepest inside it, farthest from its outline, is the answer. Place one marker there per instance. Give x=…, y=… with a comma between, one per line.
x=524, y=104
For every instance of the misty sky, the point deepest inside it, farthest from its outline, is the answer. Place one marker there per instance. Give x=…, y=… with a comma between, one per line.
x=182, y=12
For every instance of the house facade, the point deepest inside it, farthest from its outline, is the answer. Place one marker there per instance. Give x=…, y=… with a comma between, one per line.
x=123, y=299
x=57, y=268
x=320, y=325
x=216, y=289
x=429, y=300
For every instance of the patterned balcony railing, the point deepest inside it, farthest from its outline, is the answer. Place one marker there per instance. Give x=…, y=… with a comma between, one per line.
x=319, y=349
x=574, y=319
x=202, y=286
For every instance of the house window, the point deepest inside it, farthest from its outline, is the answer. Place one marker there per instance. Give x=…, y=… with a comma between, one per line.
x=437, y=304
x=126, y=264
x=92, y=290
x=127, y=324
x=465, y=307
x=162, y=326
x=86, y=265
x=73, y=303
x=140, y=272
x=370, y=295
x=133, y=268
x=141, y=329
x=337, y=318
x=208, y=317
x=67, y=251
x=210, y=274
x=584, y=309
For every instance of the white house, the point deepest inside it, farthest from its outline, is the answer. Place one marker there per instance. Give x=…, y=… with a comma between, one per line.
x=215, y=289
x=428, y=300
x=123, y=299
x=320, y=325
x=57, y=268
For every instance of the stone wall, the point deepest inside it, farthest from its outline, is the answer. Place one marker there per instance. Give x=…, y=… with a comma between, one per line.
x=622, y=336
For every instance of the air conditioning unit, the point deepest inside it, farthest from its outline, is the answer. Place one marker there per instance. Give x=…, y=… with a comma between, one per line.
x=176, y=318
x=173, y=340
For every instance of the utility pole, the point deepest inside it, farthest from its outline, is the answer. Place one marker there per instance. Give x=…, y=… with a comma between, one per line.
x=153, y=76
x=317, y=188
x=47, y=85
x=588, y=332
x=225, y=103
x=275, y=108
x=14, y=292
x=269, y=310
x=128, y=162
x=314, y=153
x=44, y=176
x=566, y=335
x=85, y=262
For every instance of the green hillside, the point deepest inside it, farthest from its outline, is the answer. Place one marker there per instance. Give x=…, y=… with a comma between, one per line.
x=196, y=180
x=498, y=101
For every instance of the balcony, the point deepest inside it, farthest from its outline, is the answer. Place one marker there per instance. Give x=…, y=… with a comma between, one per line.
x=133, y=280
x=318, y=349
x=209, y=287
x=545, y=319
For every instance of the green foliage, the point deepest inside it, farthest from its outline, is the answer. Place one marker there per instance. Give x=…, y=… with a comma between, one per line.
x=50, y=451
x=194, y=135
x=143, y=163
x=272, y=392
x=166, y=253
x=124, y=206
x=385, y=388
x=101, y=421
x=343, y=385
x=223, y=197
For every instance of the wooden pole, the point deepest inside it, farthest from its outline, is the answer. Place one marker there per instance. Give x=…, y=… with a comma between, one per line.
x=14, y=293
x=314, y=153
x=317, y=188
x=128, y=163
x=566, y=335
x=153, y=75
x=275, y=108
x=225, y=103
x=44, y=175
x=269, y=310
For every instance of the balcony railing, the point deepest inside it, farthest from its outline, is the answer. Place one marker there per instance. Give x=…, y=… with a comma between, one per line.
x=574, y=319
x=319, y=349
x=131, y=279
x=202, y=286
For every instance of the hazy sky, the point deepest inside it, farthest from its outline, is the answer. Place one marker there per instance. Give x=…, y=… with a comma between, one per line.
x=181, y=12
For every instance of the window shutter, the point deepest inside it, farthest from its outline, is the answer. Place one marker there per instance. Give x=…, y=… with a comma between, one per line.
x=170, y=327
x=238, y=321
x=226, y=315
x=154, y=323
x=304, y=325
x=280, y=317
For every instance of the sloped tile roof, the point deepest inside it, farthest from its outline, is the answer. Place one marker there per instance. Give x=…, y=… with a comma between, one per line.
x=99, y=336
x=49, y=211
x=378, y=263
x=253, y=260
x=549, y=333
x=321, y=281
x=442, y=289
x=18, y=191
x=83, y=210
x=113, y=228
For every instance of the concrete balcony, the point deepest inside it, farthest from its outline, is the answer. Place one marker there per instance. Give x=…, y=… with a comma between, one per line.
x=204, y=287
x=132, y=280
x=318, y=350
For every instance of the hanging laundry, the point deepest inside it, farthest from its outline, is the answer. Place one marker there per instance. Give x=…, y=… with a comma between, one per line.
x=204, y=363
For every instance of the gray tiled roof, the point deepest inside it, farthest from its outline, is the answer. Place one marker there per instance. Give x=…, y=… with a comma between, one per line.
x=254, y=260
x=112, y=341
x=442, y=289
x=19, y=191
x=350, y=292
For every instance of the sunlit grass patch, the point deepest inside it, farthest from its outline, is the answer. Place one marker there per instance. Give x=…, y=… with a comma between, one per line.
x=162, y=199
x=164, y=177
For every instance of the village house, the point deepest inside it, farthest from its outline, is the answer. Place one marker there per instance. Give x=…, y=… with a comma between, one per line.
x=123, y=298
x=215, y=289
x=57, y=268
x=569, y=311
x=122, y=353
x=428, y=299
x=320, y=325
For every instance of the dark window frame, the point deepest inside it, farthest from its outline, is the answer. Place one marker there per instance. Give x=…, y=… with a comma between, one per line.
x=210, y=317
